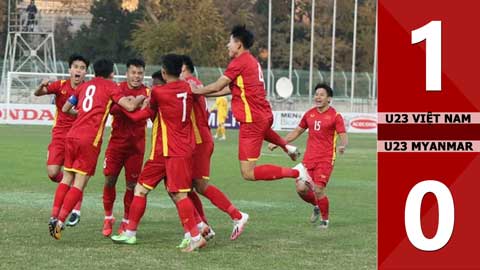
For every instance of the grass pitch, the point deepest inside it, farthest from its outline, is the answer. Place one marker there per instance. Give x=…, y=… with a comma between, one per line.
x=278, y=235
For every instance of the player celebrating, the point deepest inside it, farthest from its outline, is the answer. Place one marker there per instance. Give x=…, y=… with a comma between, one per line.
x=157, y=78
x=126, y=148
x=201, y=159
x=171, y=155
x=250, y=107
x=63, y=89
x=221, y=104
x=85, y=138
x=323, y=124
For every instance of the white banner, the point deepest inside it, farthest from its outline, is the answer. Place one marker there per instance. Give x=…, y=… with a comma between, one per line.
x=44, y=114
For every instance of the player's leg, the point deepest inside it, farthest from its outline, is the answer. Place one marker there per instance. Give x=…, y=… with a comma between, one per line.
x=152, y=174
x=321, y=175
x=112, y=165
x=55, y=159
x=55, y=173
x=251, y=137
x=133, y=168
x=306, y=193
x=221, y=128
x=273, y=137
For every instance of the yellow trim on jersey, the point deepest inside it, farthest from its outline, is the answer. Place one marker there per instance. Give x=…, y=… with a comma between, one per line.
x=100, y=129
x=164, y=137
x=248, y=113
x=205, y=177
x=148, y=187
x=62, y=82
x=334, y=147
x=55, y=118
x=154, y=137
x=252, y=159
x=185, y=190
x=148, y=90
x=74, y=170
x=196, y=131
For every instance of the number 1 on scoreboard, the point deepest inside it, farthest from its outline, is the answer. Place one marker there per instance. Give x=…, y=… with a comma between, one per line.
x=432, y=33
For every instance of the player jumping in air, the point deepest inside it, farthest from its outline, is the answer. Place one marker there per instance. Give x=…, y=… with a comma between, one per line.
x=243, y=78
x=323, y=123
x=93, y=100
x=63, y=89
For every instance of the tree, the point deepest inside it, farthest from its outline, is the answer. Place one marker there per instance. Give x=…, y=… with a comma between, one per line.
x=199, y=32
x=108, y=34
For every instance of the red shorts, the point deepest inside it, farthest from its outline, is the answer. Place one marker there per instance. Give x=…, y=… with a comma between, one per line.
x=81, y=156
x=56, y=151
x=251, y=138
x=179, y=174
x=319, y=172
x=201, y=160
x=153, y=173
x=118, y=156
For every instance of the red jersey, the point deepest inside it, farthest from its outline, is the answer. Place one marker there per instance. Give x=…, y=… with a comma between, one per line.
x=199, y=116
x=248, y=89
x=62, y=89
x=322, y=134
x=123, y=128
x=94, y=100
x=172, y=126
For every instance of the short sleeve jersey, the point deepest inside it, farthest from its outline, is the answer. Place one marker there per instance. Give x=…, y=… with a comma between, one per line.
x=199, y=117
x=62, y=89
x=249, y=102
x=322, y=133
x=172, y=127
x=94, y=100
x=124, y=127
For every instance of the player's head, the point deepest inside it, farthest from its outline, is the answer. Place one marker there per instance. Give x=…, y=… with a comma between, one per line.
x=77, y=67
x=157, y=78
x=171, y=66
x=135, y=72
x=240, y=39
x=187, y=68
x=103, y=68
x=323, y=95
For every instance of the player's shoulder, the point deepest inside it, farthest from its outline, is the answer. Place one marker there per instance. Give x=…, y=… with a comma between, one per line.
x=310, y=112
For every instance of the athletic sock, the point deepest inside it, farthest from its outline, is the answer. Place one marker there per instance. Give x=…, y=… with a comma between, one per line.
x=324, y=205
x=218, y=198
x=269, y=172
x=73, y=196
x=109, y=195
x=60, y=193
x=137, y=209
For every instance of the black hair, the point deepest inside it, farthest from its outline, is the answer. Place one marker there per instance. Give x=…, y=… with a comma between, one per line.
x=77, y=57
x=326, y=87
x=157, y=75
x=103, y=68
x=172, y=64
x=137, y=62
x=245, y=36
x=187, y=61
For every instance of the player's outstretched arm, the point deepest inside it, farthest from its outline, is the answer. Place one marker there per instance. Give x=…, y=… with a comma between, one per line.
x=131, y=103
x=291, y=136
x=217, y=86
x=225, y=91
x=343, y=142
x=42, y=88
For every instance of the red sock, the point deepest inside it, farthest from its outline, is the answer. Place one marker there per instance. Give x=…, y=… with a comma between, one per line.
x=198, y=205
x=309, y=197
x=73, y=196
x=186, y=212
x=109, y=195
x=269, y=172
x=273, y=137
x=137, y=209
x=57, y=178
x=60, y=193
x=78, y=206
x=221, y=201
x=323, y=204
x=127, y=202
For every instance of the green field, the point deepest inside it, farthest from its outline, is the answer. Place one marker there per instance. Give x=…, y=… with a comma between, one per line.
x=278, y=236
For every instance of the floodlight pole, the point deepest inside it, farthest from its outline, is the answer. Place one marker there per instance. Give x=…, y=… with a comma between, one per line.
x=312, y=28
x=292, y=18
x=269, y=61
x=332, y=65
x=352, y=92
